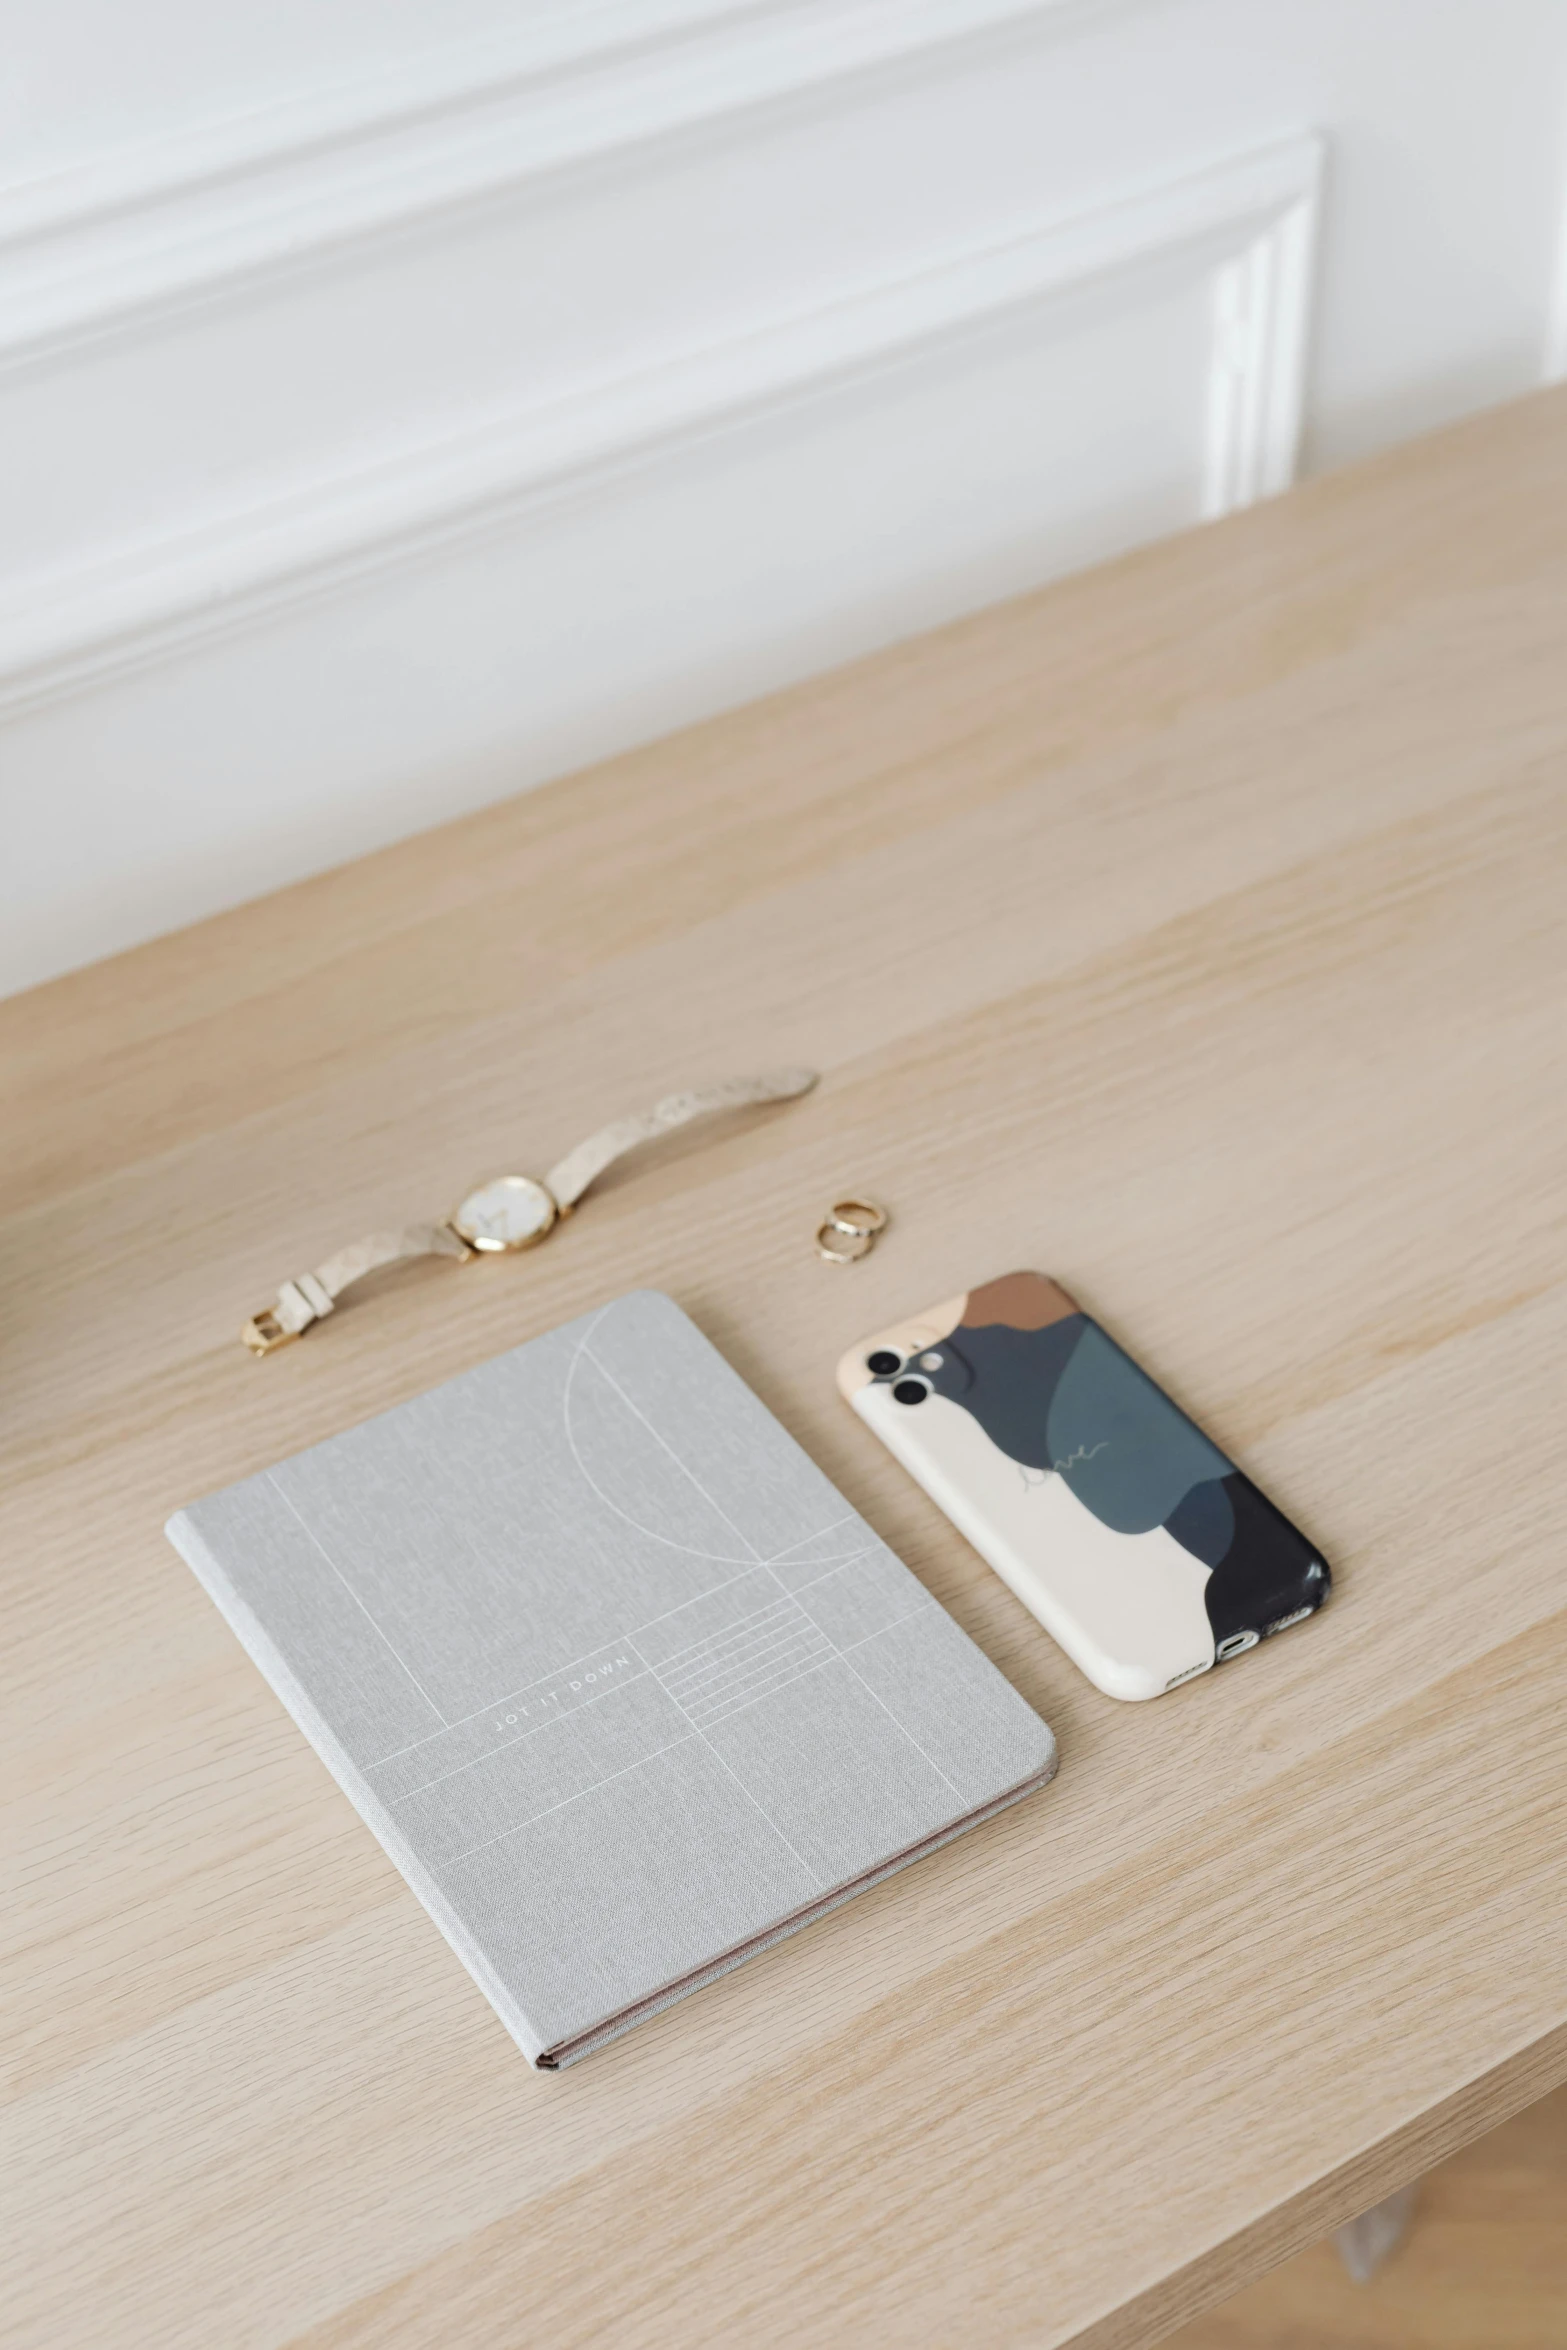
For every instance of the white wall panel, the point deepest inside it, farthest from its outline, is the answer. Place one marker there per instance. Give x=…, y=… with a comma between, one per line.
x=854, y=475
x=439, y=401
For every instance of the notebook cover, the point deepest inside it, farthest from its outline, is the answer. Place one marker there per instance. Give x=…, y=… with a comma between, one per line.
x=620, y=1681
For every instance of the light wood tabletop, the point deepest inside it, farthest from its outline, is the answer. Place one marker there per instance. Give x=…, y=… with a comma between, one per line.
x=1483, y=2267
x=1194, y=930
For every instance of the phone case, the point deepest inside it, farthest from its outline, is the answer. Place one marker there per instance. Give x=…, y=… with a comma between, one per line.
x=1139, y=1546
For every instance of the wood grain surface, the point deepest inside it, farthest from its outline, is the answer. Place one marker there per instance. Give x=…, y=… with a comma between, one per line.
x=1193, y=930
x=1483, y=2267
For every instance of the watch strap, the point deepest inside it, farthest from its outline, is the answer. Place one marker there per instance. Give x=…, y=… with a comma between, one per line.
x=309, y=1297
x=569, y=1178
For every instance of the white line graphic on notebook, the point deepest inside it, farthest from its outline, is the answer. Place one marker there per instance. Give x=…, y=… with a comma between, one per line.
x=582, y=1349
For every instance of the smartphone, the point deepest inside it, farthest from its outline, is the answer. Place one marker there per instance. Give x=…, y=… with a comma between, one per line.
x=1134, y=1540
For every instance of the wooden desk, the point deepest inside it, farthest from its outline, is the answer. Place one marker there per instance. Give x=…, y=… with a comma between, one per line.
x=1195, y=930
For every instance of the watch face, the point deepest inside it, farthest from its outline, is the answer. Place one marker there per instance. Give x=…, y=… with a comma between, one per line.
x=511, y=1212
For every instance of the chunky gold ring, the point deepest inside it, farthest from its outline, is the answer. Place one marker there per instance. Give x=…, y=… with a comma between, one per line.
x=862, y=1218
x=841, y=1245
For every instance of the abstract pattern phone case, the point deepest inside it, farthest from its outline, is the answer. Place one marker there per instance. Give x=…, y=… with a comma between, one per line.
x=1144, y=1551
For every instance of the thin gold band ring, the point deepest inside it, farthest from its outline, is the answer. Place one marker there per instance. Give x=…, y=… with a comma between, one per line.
x=850, y=1231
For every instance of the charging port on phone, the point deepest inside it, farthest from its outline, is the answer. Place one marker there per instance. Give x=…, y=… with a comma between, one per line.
x=1236, y=1645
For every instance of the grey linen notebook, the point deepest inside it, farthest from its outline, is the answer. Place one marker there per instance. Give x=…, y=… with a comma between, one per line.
x=619, y=1680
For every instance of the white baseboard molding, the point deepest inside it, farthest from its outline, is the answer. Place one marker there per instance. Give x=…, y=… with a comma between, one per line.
x=135, y=236
x=1257, y=378
x=1248, y=220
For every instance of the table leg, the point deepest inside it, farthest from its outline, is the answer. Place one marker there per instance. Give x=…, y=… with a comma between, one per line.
x=1364, y=2243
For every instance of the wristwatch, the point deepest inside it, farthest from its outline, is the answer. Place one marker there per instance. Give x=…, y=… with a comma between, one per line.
x=509, y=1212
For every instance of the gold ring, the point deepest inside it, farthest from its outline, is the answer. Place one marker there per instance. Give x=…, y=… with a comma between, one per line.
x=841, y=1245
x=862, y=1218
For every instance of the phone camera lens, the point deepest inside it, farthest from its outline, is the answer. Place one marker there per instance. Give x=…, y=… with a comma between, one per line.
x=883, y=1361
x=910, y=1391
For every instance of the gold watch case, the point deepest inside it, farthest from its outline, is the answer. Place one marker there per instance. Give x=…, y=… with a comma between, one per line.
x=507, y=1213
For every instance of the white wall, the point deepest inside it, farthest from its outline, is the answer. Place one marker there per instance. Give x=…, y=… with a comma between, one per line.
x=402, y=403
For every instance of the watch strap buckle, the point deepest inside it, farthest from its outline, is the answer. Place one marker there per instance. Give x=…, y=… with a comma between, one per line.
x=264, y=1333
x=299, y=1303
